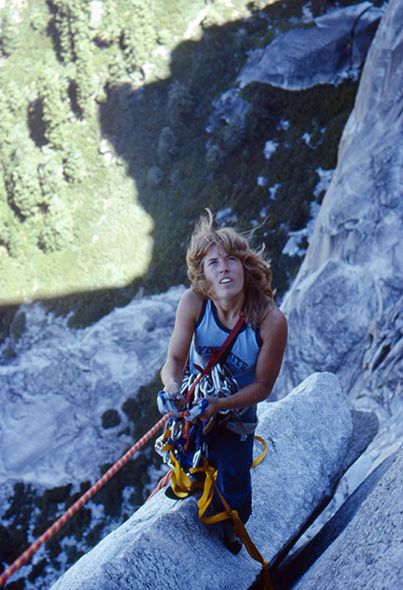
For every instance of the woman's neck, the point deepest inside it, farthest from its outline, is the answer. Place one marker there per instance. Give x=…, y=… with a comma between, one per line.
x=229, y=310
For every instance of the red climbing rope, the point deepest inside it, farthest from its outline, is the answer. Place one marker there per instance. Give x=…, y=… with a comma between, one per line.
x=60, y=522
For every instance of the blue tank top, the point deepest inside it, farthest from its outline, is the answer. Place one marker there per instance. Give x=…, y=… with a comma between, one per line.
x=210, y=334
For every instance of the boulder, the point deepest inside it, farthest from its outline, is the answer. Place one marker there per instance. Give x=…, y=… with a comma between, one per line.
x=329, y=49
x=164, y=544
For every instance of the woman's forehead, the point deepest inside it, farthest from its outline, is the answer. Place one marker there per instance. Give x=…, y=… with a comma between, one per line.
x=215, y=250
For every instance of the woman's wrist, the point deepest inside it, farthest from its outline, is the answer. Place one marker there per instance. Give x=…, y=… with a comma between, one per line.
x=172, y=387
x=220, y=403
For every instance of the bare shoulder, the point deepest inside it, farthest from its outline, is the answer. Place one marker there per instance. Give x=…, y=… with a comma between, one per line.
x=274, y=324
x=190, y=305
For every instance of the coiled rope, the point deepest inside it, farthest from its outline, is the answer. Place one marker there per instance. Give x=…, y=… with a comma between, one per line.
x=60, y=522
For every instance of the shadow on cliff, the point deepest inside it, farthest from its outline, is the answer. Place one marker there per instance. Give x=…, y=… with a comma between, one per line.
x=159, y=130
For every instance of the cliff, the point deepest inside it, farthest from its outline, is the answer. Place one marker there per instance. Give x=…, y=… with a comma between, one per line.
x=342, y=309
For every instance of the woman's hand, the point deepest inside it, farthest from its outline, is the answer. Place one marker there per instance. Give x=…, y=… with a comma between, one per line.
x=214, y=406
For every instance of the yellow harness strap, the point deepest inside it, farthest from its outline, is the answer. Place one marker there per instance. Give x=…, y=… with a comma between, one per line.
x=247, y=541
x=182, y=486
x=263, y=454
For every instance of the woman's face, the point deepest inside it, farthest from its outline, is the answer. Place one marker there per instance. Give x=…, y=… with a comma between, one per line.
x=224, y=273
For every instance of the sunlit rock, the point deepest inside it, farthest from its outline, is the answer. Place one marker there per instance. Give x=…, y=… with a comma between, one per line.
x=343, y=308
x=369, y=525
x=308, y=434
x=330, y=48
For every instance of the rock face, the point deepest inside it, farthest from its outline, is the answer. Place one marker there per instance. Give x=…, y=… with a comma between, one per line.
x=332, y=48
x=163, y=544
x=344, y=305
x=58, y=387
x=369, y=525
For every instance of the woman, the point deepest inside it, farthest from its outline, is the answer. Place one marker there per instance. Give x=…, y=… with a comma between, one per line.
x=228, y=280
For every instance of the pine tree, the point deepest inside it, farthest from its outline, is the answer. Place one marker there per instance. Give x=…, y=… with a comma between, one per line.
x=52, y=89
x=16, y=99
x=50, y=173
x=63, y=22
x=7, y=120
x=22, y=183
x=110, y=29
x=139, y=36
x=8, y=32
x=73, y=166
x=72, y=20
x=57, y=231
x=84, y=77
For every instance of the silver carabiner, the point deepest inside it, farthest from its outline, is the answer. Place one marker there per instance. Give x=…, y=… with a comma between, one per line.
x=176, y=430
x=215, y=376
x=197, y=458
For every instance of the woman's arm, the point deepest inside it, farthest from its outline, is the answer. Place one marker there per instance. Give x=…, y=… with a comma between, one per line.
x=187, y=314
x=273, y=331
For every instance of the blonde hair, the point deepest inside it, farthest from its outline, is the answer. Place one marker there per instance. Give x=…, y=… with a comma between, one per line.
x=258, y=291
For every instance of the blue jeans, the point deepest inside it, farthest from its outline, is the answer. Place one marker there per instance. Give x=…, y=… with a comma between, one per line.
x=232, y=457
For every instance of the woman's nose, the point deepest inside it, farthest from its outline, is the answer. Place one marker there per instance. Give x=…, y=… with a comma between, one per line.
x=223, y=265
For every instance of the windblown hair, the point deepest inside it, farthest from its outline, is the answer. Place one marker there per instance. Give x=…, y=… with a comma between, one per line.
x=258, y=291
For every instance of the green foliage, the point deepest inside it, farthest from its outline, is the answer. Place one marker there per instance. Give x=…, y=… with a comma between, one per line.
x=57, y=231
x=8, y=31
x=50, y=173
x=62, y=19
x=11, y=237
x=72, y=24
x=109, y=29
x=72, y=21
x=5, y=235
x=7, y=121
x=22, y=184
x=84, y=80
x=53, y=94
x=138, y=35
x=9, y=231
x=74, y=168
x=39, y=18
x=117, y=67
x=16, y=99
